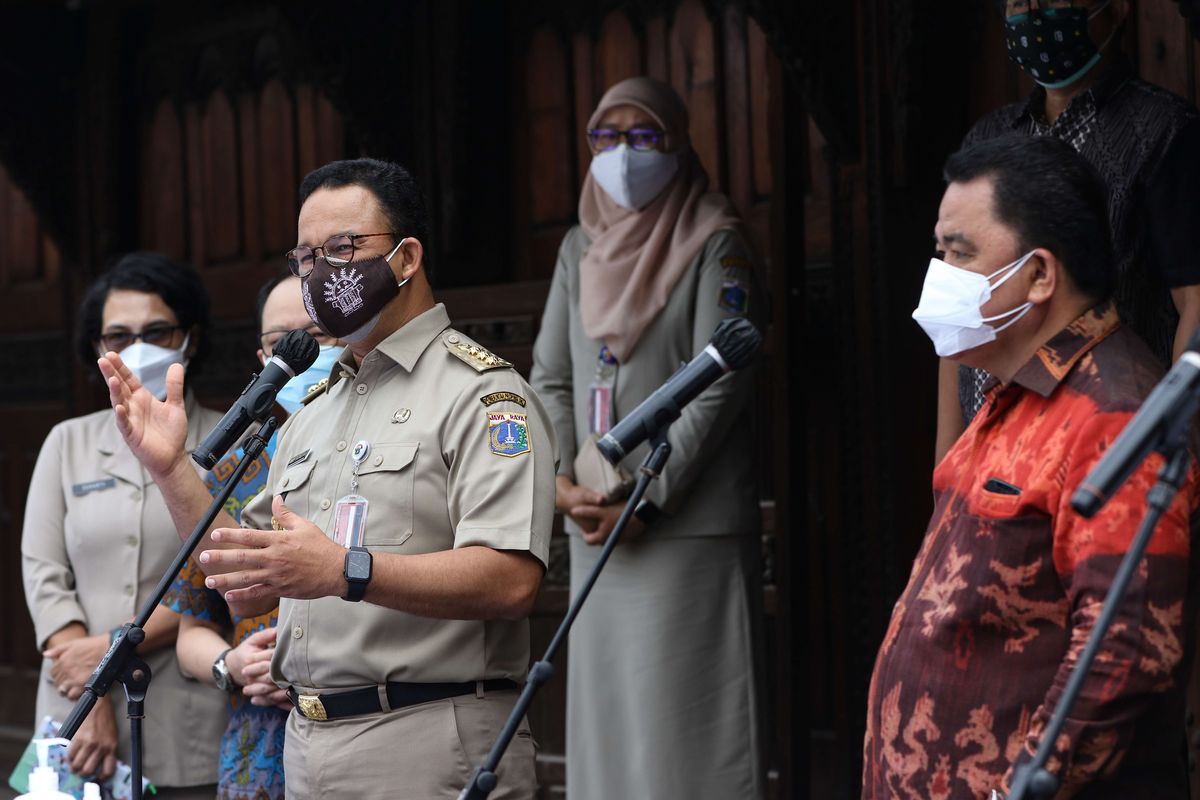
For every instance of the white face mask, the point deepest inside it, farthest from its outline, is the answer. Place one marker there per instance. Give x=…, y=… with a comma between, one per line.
x=149, y=363
x=632, y=178
x=949, y=309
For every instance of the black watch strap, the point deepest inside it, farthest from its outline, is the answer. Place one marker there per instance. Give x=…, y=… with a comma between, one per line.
x=357, y=572
x=647, y=512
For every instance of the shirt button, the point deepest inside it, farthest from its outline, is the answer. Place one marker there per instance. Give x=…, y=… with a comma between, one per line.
x=361, y=388
x=453, y=338
x=297, y=632
x=341, y=446
x=136, y=494
x=129, y=591
x=132, y=541
x=325, y=504
x=378, y=460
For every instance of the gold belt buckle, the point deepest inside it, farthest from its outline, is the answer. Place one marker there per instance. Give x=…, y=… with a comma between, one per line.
x=311, y=707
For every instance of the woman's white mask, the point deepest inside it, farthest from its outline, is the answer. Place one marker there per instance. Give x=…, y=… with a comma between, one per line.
x=149, y=363
x=632, y=178
x=951, y=301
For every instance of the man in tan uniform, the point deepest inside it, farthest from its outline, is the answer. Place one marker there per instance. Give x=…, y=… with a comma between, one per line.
x=420, y=482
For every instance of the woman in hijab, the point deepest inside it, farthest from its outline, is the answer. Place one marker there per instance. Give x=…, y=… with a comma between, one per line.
x=661, y=690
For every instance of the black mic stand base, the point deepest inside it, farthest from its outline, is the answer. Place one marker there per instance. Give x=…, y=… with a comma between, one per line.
x=483, y=779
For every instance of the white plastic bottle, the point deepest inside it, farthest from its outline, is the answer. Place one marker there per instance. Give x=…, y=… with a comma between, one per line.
x=91, y=791
x=43, y=779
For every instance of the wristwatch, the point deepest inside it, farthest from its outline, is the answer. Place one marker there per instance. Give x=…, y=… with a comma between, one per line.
x=221, y=674
x=357, y=573
x=647, y=512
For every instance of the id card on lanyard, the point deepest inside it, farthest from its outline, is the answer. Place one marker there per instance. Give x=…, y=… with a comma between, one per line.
x=600, y=394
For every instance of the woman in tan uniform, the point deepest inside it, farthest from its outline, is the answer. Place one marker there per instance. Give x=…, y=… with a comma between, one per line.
x=97, y=538
x=660, y=688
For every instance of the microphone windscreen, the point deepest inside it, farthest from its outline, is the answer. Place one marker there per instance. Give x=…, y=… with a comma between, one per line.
x=298, y=349
x=737, y=340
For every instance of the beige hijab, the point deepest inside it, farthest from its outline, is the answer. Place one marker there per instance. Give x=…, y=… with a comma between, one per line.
x=636, y=257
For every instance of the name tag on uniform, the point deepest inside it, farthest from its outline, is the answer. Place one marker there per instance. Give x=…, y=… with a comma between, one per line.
x=80, y=489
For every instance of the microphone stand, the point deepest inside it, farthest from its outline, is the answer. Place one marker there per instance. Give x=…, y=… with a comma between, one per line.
x=121, y=664
x=483, y=779
x=1032, y=777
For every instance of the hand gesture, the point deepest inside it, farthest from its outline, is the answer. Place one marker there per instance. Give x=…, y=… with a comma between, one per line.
x=155, y=430
x=602, y=519
x=253, y=670
x=299, y=562
x=93, y=751
x=569, y=495
x=73, y=663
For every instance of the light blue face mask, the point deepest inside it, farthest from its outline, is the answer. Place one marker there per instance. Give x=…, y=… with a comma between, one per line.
x=294, y=391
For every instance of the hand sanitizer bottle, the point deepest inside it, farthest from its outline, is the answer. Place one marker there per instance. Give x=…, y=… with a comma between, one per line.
x=91, y=791
x=43, y=779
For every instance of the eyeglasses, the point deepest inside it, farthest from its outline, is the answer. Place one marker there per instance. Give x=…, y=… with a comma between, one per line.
x=1013, y=8
x=640, y=139
x=268, y=339
x=158, y=335
x=337, y=250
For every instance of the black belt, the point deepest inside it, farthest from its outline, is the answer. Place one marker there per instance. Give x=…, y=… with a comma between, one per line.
x=399, y=695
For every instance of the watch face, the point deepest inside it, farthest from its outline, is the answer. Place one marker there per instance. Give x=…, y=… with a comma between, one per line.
x=358, y=566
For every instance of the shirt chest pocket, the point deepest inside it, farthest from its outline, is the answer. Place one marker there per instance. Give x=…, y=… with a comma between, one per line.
x=295, y=487
x=386, y=479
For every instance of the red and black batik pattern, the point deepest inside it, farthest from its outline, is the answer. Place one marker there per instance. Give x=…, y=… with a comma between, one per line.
x=1009, y=581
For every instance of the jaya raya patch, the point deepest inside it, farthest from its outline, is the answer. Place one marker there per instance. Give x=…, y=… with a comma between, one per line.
x=508, y=434
x=734, y=296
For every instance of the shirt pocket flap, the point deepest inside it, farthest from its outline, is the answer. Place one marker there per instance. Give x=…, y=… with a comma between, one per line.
x=295, y=477
x=389, y=457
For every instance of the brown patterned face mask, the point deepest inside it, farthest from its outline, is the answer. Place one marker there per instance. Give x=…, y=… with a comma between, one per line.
x=345, y=301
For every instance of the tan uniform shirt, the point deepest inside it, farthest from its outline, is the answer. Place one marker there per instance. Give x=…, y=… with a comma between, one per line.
x=97, y=539
x=708, y=487
x=447, y=468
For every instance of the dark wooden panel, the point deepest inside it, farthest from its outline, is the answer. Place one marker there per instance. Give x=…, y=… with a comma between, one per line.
x=694, y=75
x=618, y=51
x=277, y=131
x=162, y=182
x=739, y=150
x=552, y=188
x=219, y=190
x=1163, y=45
x=657, y=49
x=762, y=64
x=586, y=94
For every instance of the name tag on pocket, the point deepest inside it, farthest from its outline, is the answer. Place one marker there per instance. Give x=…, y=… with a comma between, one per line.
x=80, y=489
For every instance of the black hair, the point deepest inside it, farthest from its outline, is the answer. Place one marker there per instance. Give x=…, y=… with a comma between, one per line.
x=394, y=187
x=1052, y=198
x=179, y=287
x=260, y=302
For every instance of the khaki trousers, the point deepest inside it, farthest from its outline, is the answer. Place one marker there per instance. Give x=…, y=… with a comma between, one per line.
x=420, y=752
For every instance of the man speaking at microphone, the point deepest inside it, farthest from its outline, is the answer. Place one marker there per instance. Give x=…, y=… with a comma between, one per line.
x=406, y=521
x=1010, y=580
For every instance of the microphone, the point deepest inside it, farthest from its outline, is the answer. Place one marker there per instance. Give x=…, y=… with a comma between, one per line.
x=1174, y=396
x=732, y=346
x=293, y=354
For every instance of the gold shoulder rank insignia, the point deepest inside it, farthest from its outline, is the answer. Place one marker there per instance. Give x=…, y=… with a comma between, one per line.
x=479, y=358
x=316, y=391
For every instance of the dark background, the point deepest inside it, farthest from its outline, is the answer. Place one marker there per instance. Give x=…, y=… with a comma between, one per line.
x=186, y=127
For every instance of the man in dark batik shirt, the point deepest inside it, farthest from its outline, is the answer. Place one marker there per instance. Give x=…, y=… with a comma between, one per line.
x=1009, y=580
x=1145, y=143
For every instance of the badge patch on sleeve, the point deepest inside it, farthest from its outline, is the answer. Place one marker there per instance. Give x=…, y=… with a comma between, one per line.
x=508, y=434
x=734, y=296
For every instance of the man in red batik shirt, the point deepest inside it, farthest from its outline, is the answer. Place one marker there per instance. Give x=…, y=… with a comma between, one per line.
x=1010, y=580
